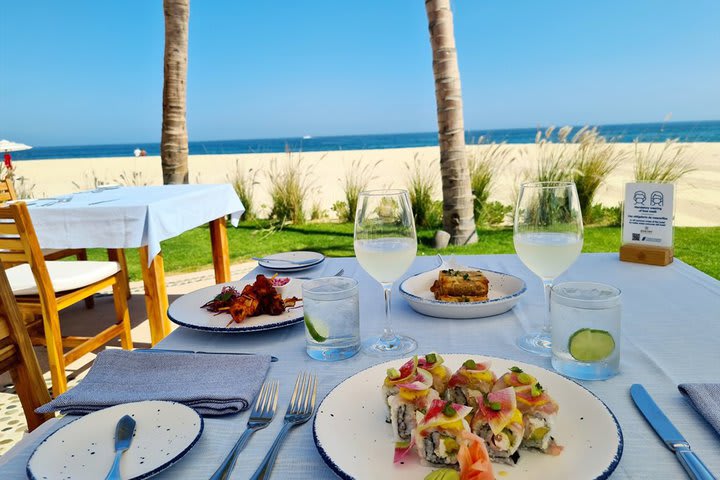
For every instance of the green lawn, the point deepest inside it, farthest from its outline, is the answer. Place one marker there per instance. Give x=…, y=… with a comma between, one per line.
x=700, y=247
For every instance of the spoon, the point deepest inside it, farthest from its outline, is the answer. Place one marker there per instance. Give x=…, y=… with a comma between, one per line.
x=123, y=437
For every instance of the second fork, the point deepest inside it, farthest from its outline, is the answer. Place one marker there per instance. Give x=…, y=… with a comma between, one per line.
x=260, y=417
x=300, y=410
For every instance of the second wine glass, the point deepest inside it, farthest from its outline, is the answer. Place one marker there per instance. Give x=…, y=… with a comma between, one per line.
x=548, y=237
x=385, y=246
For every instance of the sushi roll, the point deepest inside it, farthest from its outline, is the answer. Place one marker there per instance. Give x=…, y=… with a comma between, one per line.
x=514, y=378
x=471, y=381
x=412, y=397
x=499, y=422
x=539, y=411
x=395, y=377
x=433, y=363
x=438, y=435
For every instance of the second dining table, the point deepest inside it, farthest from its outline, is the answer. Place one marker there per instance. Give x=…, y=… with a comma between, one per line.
x=118, y=217
x=669, y=336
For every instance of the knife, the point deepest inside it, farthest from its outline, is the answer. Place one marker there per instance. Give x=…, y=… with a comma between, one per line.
x=291, y=262
x=123, y=437
x=165, y=350
x=673, y=439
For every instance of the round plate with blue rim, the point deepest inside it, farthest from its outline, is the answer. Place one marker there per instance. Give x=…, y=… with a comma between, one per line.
x=85, y=448
x=291, y=261
x=585, y=427
x=187, y=310
x=504, y=291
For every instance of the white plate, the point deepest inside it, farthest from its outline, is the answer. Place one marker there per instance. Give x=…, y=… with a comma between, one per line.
x=585, y=427
x=313, y=258
x=504, y=292
x=85, y=448
x=187, y=311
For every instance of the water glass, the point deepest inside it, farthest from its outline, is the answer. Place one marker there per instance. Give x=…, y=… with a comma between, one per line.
x=585, y=320
x=332, y=318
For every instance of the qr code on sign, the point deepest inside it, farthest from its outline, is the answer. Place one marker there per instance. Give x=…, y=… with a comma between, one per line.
x=636, y=236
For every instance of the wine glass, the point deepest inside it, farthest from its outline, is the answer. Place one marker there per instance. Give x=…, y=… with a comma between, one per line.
x=385, y=247
x=548, y=237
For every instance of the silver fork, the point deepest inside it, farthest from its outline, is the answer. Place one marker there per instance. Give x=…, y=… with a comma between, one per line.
x=300, y=410
x=260, y=417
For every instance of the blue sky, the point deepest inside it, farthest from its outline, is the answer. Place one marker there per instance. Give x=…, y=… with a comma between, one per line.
x=90, y=72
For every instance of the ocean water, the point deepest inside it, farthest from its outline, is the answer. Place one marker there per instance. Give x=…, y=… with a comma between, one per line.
x=701, y=131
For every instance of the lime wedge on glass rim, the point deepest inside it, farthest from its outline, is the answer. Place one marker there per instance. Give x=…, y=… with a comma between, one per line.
x=590, y=345
x=317, y=329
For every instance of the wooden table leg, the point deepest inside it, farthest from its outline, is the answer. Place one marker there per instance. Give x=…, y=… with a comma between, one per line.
x=156, y=299
x=118, y=255
x=220, y=252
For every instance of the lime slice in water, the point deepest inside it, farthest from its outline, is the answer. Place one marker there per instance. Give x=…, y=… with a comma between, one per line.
x=589, y=345
x=317, y=329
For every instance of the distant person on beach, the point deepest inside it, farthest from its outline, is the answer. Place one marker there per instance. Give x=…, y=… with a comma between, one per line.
x=137, y=152
x=143, y=153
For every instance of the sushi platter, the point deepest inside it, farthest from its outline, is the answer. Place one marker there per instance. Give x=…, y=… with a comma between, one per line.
x=585, y=441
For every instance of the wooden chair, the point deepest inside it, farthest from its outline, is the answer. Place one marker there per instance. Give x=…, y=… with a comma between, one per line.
x=18, y=356
x=7, y=193
x=43, y=288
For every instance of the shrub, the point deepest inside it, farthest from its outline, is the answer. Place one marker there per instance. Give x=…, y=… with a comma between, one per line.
x=666, y=164
x=341, y=210
x=356, y=180
x=289, y=189
x=23, y=187
x=586, y=158
x=421, y=185
x=484, y=164
x=435, y=214
x=593, y=160
x=604, y=216
x=133, y=179
x=495, y=213
x=553, y=162
x=244, y=181
x=317, y=212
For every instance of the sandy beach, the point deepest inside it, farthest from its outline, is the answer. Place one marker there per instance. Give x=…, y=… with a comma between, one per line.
x=697, y=194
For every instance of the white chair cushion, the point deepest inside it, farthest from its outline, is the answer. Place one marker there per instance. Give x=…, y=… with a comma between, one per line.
x=63, y=275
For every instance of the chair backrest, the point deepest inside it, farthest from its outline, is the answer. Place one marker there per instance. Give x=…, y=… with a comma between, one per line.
x=7, y=190
x=19, y=244
x=18, y=356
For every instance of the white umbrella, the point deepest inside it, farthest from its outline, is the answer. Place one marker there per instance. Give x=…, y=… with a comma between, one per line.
x=8, y=146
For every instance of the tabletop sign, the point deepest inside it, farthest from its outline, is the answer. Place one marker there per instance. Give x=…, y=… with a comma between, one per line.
x=647, y=233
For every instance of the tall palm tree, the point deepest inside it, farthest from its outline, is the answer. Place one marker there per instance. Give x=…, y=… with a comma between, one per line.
x=458, y=217
x=174, y=141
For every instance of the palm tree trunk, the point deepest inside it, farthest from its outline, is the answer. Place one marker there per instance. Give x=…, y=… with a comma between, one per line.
x=174, y=141
x=458, y=218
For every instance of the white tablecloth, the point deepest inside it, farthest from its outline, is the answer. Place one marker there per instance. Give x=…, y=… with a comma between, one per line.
x=131, y=217
x=670, y=332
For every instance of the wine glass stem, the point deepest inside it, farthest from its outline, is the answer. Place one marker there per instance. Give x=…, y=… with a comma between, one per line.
x=388, y=333
x=547, y=285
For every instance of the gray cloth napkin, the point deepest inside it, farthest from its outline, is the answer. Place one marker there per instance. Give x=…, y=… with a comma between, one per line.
x=212, y=384
x=705, y=397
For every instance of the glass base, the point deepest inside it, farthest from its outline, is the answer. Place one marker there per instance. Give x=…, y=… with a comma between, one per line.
x=397, y=345
x=537, y=343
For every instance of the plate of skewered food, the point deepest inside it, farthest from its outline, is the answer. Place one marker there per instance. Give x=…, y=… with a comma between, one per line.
x=249, y=305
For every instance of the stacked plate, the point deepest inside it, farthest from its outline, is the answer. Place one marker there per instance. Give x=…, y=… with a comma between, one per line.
x=291, y=261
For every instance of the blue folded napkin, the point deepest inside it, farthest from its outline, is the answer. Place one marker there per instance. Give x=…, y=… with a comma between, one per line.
x=705, y=397
x=212, y=384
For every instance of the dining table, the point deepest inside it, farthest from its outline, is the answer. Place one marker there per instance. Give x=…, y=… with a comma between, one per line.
x=670, y=331
x=121, y=217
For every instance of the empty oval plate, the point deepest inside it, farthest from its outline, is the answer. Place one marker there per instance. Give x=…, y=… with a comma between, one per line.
x=504, y=291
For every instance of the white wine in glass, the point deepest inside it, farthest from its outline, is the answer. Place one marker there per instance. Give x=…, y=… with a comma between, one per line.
x=548, y=238
x=385, y=247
